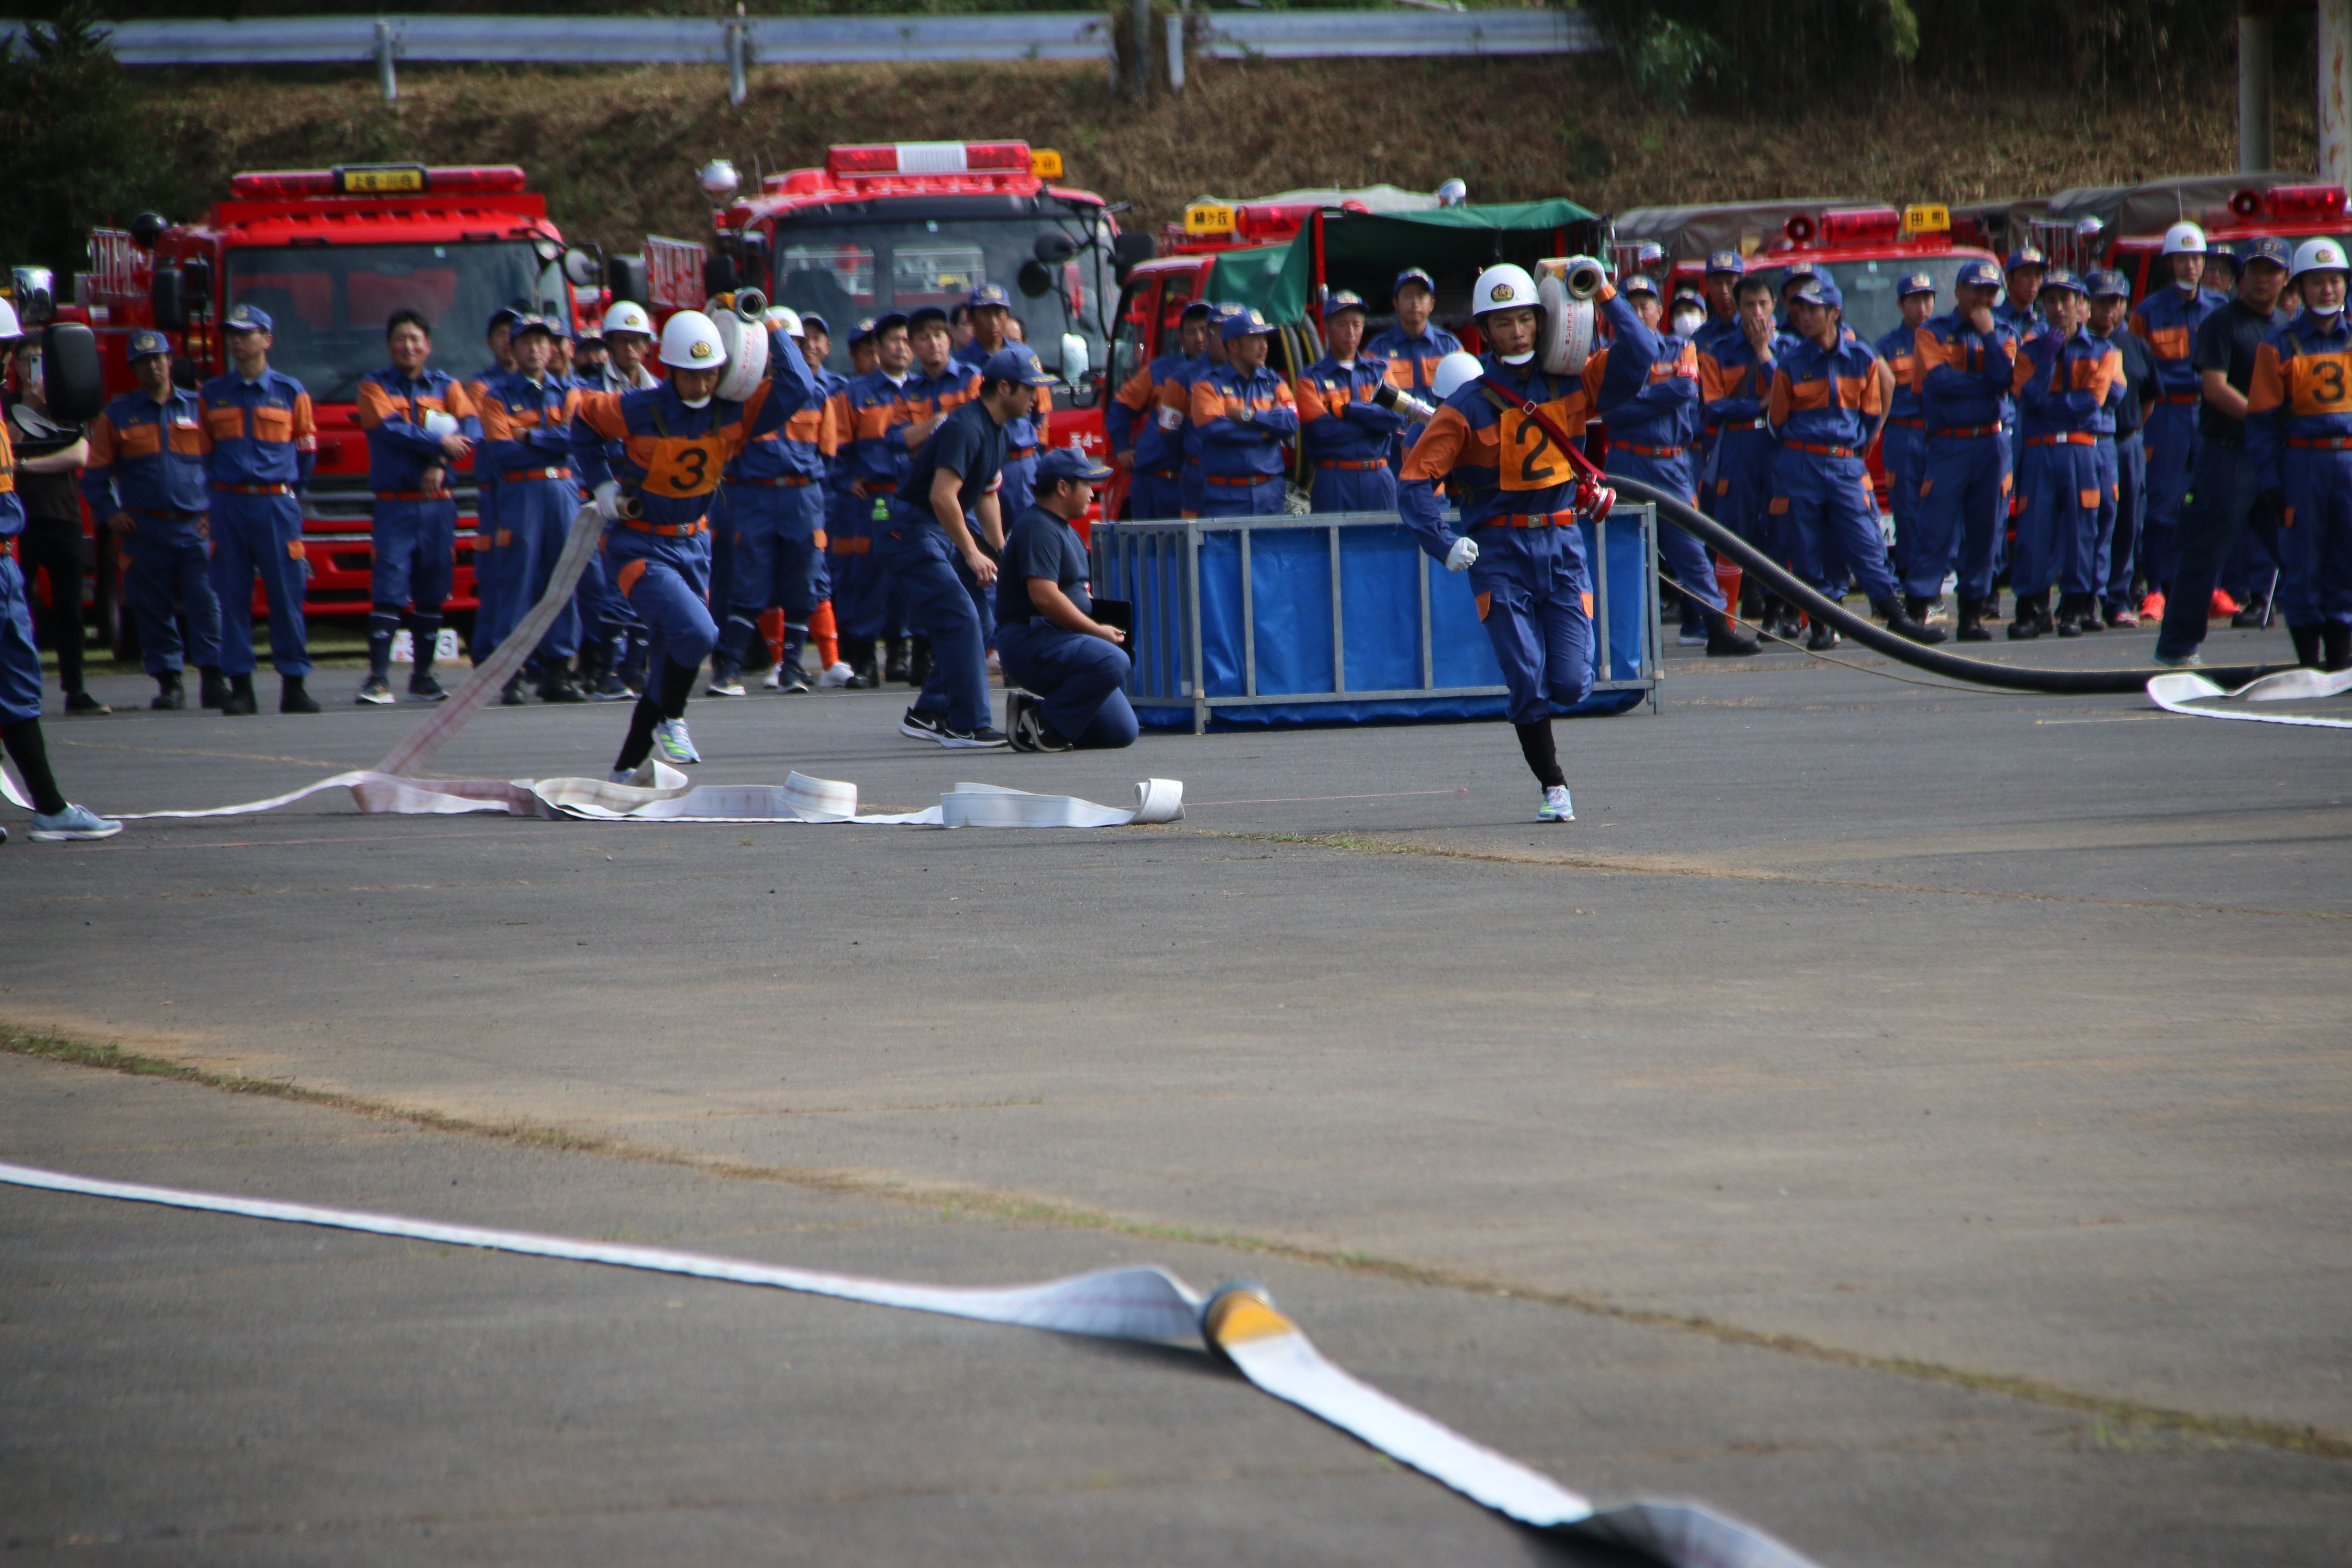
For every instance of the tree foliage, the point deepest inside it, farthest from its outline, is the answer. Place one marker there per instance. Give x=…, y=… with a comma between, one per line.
x=72, y=152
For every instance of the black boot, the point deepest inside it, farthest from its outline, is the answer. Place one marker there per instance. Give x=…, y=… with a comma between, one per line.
x=865, y=669
x=169, y=697
x=2307, y=646
x=239, y=700
x=211, y=690
x=292, y=697
x=1903, y=622
x=1725, y=640
x=896, y=654
x=1824, y=638
x=1971, y=622
x=919, y=662
x=1920, y=606
x=2335, y=639
x=556, y=686
x=2070, y=617
x=2031, y=611
x=511, y=695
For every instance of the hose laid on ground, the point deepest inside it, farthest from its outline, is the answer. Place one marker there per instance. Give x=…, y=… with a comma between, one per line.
x=1871, y=634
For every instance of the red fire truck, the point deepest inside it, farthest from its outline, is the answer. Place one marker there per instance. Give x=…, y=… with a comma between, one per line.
x=331, y=254
x=2123, y=227
x=895, y=225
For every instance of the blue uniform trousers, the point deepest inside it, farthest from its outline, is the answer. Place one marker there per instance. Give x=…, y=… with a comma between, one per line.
x=1192, y=490
x=941, y=597
x=1154, y=493
x=20, y=655
x=666, y=583
x=1684, y=557
x=866, y=601
x=415, y=543
x=490, y=619
x=2315, y=540
x=1531, y=585
x=536, y=514
x=2172, y=447
x=167, y=559
x=1079, y=676
x=1902, y=453
x=1353, y=490
x=2127, y=460
x=2012, y=460
x=605, y=619
x=1263, y=499
x=1832, y=518
x=260, y=534
x=1743, y=488
x=2224, y=501
x=1963, y=507
x=2057, y=532
x=722, y=548
x=777, y=562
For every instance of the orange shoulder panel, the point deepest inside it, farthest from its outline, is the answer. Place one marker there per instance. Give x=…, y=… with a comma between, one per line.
x=1440, y=448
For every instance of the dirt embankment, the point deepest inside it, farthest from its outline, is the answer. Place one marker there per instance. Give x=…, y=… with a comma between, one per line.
x=616, y=150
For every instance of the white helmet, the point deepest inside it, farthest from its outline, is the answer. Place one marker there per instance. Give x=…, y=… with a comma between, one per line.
x=1503, y=287
x=628, y=316
x=11, y=329
x=1454, y=372
x=689, y=340
x=2184, y=239
x=2320, y=255
x=785, y=319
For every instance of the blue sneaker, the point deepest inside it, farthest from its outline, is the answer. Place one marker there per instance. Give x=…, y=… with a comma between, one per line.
x=671, y=740
x=73, y=822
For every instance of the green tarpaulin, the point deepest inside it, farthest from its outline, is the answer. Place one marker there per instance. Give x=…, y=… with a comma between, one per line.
x=1365, y=251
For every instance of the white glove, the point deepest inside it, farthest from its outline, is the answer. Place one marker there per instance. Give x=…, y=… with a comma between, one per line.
x=608, y=500
x=437, y=424
x=1463, y=556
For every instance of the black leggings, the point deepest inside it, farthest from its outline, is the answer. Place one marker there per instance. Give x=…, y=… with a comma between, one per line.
x=58, y=549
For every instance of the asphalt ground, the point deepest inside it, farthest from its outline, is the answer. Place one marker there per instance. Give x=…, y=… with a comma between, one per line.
x=1910, y=1118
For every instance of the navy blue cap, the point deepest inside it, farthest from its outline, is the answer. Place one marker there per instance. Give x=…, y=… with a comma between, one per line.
x=2059, y=277
x=813, y=323
x=1015, y=363
x=1638, y=283
x=864, y=330
x=1818, y=289
x=2024, y=256
x=2226, y=251
x=1729, y=262
x=593, y=333
x=526, y=325
x=1197, y=308
x=1983, y=272
x=248, y=318
x=504, y=316
x=2107, y=284
x=989, y=294
x=2271, y=249
x=1912, y=283
x=1344, y=300
x=1069, y=463
x=148, y=344
x=885, y=322
x=1226, y=309
x=1246, y=323
x=1412, y=275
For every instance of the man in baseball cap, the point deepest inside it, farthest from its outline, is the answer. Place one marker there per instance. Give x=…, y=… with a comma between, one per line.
x=1063, y=666
x=1412, y=347
x=1902, y=449
x=1342, y=428
x=1964, y=360
x=1244, y=412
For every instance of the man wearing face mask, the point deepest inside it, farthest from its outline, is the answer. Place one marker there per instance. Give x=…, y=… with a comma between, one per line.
x=1413, y=346
x=2299, y=435
x=1645, y=384
x=527, y=419
x=1348, y=436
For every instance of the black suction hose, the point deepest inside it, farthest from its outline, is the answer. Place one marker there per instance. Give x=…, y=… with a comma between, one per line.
x=1870, y=634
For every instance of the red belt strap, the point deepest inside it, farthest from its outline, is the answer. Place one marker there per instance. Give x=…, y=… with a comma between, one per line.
x=1526, y=520
x=2178, y=398
x=1648, y=451
x=1351, y=464
x=2320, y=443
x=2064, y=438
x=409, y=495
x=1819, y=451
x=1239, y=479
x=1910, y=424
x=520, y=475
x=787, y=483
x=1968, y=432
x=256, y=489
x=667, y=529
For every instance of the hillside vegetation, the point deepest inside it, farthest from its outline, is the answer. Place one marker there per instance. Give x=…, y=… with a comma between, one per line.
x=616, y=150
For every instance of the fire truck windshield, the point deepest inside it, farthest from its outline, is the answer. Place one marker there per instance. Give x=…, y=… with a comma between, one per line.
x=1872, y=309
x=328, y=304
x=846, y=271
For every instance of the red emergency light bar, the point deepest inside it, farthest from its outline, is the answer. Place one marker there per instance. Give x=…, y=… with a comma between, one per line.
x=890, y=158
x=2291, y=203
x=1861, y=226
x=380, y=180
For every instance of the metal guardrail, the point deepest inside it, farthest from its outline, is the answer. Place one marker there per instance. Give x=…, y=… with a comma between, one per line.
x=830, y=40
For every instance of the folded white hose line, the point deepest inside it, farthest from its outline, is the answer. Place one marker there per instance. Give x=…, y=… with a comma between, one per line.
x=1146, y=1304
x=2197, y=697
x=389, y=786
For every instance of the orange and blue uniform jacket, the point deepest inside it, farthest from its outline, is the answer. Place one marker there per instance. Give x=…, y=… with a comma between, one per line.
x=1413, y=360
x=527, y=427
x=937, y=397
x=1962, y=375
x=872, y=410
x=258, y=433
x=1497, y=463
x=672, y=457
x=2301, y=391
x=1826, y=397
x=1235, y=448
x=2168, y=320
x=1134, y=419
x=1900, y=350
x=2064, y=385
x=1732, y=382
x=797, y=451
x=146, y=455
x=392, y=410
x=1337, y=420
x=1645, y=384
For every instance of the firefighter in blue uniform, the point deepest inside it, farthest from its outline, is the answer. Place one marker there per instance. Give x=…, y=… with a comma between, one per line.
x=870, y=411
x=1064, y=670
x=1243, y=413
x=2123, y=456
x=145, y=484
x=2063, y=383
x=526, y=416
x=1735, y=377
x=1902, y=449
x=676, y=440
x=776, y=490
x=2299, y=437
x=990, y=309
x=1144, y=424
x=490, y=554
x=1645, y=384
x=1829, y=395
x=1191, y=487
x=1963, y=366
x=419, y=423
x=1520, y=500
x=2168, y=320
x=1343, y=429
x=1412, y=347
x=261, y=443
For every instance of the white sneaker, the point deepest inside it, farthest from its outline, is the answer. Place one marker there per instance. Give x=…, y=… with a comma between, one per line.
x=2169, y=661
x=728, y=685
x=834, y=676
x=73, y=822
x=641, y=776
x=1691, y=637
x=774, y=679
x=672, y=741
x=1555, y=807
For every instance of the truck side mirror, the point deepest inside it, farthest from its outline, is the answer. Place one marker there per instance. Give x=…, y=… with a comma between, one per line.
x=719, y=274
x=166, y=294
x=1052, y=250
x=70, y=373
x=583, y=268
x=1131, y=250
x=1075, y=359
x=197, y=286
x=1035, y=281
x=626, y=277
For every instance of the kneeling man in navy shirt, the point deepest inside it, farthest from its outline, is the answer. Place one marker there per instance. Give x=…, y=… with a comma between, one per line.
x=1067, y=667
